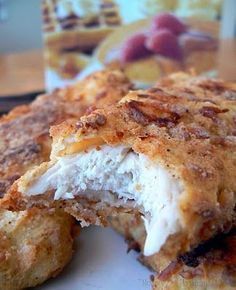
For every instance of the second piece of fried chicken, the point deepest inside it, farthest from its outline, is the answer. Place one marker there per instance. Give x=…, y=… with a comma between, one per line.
x=37, y=244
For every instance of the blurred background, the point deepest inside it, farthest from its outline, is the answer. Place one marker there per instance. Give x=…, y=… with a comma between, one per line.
x=21, y=20
x=20, y=25
x=51, y=43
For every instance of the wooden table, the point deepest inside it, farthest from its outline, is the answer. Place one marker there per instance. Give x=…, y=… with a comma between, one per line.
x=227, y=60
x=21, y=73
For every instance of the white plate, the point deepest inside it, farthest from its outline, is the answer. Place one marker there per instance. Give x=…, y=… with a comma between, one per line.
x=101, y=263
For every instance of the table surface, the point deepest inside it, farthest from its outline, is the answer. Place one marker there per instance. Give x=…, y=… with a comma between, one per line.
x=23, y=73
x=227, y=60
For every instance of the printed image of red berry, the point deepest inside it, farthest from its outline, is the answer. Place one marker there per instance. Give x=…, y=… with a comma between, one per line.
x=165, y=43
x=134, y=48
x=168, y=21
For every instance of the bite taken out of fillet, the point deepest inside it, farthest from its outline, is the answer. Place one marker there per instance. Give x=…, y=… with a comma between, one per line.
x=168, y=152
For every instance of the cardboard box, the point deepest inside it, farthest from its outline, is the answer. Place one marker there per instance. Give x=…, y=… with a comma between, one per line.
x=82, y=36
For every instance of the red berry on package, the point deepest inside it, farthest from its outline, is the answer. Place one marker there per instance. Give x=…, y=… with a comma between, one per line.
x=168, y=21
x=165, y=43
x=134, y=48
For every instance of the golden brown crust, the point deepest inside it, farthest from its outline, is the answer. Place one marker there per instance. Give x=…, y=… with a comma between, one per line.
x=211, y=266
x=42, y=240
x=207, y=277
x=34, y=246
x=85, y=210
x=217, y=270
x=24, y=138
x=29, y=253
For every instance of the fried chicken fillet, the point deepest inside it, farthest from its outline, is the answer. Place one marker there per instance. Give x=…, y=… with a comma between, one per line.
x=36, y=244
x=168, y=152
x=211, y=266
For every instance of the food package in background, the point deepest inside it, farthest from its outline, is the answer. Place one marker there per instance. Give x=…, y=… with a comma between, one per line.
x=146, y=38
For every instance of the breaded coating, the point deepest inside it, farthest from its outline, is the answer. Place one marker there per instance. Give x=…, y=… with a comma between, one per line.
x=208, y=276
x=209, y=266
x=36, y=244
x=24, y=132
x=185, y=127
x=213, y=270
